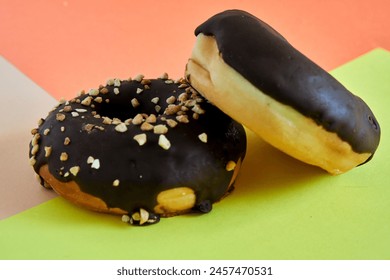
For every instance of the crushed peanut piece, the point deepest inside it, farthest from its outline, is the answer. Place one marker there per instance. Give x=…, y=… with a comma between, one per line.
x=139, y=90
x=34, y=149
x=66, y=141
x=155, y=100
x=116, y=183
x=164, y=76
x=107, y=120
x=47, y=151
x=117, y=83
x=75, y=114
x=67, y=108
x=64, y=156
x=95, y=164
x=135, y=103
x=146, y=126
x=138, y=78
x=90, y=160
x=74, y=170
x=182, y=119
x=160, y=129
x=203, y=137
x=138, y=119
x=81, y=110
x=231, y=165
x=110, y=82
x=93, y=92
x=87, y=101
x=104, y=90
x=60, y=117
x=121, y=127
x=171, y=123
x=46, y=131
x=163, y=142
x=151, y=118
x=140, y=138
x=171, y=99
x=116, y=91
x=32, y=161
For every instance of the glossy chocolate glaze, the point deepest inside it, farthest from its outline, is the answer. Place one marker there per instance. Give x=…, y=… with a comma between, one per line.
x=262, y=56
x=142, y=171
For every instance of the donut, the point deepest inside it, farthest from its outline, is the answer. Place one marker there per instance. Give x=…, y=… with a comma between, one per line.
x=140, y=148
x=252, y=73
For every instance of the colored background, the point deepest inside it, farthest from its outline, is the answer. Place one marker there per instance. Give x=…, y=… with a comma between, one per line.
x=281, y=209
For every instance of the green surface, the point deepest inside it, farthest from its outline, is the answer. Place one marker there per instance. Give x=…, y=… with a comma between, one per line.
x=281, y=208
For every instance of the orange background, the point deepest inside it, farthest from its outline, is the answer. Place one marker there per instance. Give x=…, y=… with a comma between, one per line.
x=66, y=46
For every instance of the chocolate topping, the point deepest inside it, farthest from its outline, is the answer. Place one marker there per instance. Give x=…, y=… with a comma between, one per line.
x=106, y=150
x=262, y=56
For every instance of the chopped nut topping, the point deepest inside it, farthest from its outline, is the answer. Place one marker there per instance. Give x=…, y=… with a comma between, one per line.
x=151, y=118
x=155, y=100
x=121, y=127
x=60, y=117
x=87, y=101
x=138, y=78
x=190, y=103
x=48, y=151
x=35, y=139
x=99, y=127
x=146, y=87
x=115, y=183
x=95, y=164
x=183, y=85
x=116, y=121
x=67, y=108
x=157, y=108
x=146, y=82
x=117, y=83
x=138, y=119
x=81, y=110
x=40, y=121
x=116, y=91
x=195, y=116
x=34, y=149
x=171, y=99
x=75, y=114
x=107, y=100
x=139, y=90
x=32, y=161
x=171, y=123
x=93, y=92
x=74, y=170
x=103, y=90
x=110, y=82
x=198, y=110
x=182, y=119
x=140, y=138
x=231, y=165
x=172, y=109
x=46, y=131
x=62, y=128
x=146, y=126
x=144, y=216
x=64, y=156
x=34, y=131
x=135, y=102
x=163, y=142
x=203, y=137
x=163, y=76
x=88, y=127
x=107, y=120
x=160, y=129
x=168, y=81
x=90, y=160
x=183, y=97
x=125, y=218
x=66, y=141
x=98, y=99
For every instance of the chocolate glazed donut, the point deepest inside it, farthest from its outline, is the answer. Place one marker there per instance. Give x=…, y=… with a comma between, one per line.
x=141, y=148
x=252, y=73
